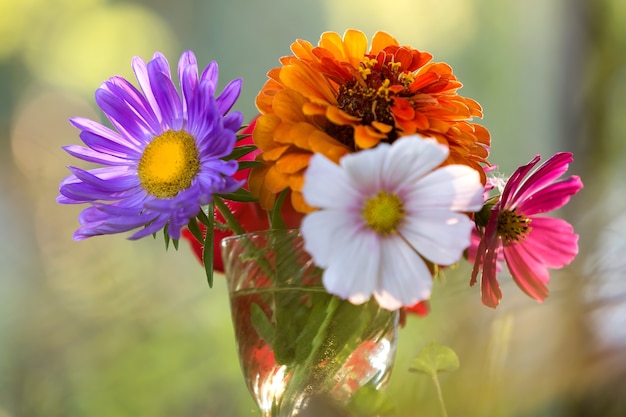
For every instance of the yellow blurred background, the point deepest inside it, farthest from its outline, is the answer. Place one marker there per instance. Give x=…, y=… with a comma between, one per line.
x=108, y=327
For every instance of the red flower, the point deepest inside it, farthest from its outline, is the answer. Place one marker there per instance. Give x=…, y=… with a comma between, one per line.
x=250, y=215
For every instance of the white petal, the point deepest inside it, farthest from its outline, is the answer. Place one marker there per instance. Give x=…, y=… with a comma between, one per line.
x=404, y=278
x=410, y=158
x=364, y=168
x=453, y=187
x=438, y=235
x=326, y=185
x=354, y=267
x=324, y=233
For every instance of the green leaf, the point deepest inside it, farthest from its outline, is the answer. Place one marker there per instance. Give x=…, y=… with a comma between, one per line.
x=249, y=164
x=202, y=217
x=166, y=237
x=276, y=220
x=435, y=358
x=207, y=250
x=370, y=402
x=240, y=151
x=240, y=195
x=262, y=324
x=195, y=229
x=243, y=136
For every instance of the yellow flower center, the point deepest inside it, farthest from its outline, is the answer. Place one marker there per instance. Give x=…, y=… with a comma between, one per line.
x=169, y=163
x=383, y=212
x=512, y=227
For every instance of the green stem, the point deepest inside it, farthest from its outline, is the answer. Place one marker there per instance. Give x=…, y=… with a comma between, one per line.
x=231, y=220
x=302, y=371
x=442, y=403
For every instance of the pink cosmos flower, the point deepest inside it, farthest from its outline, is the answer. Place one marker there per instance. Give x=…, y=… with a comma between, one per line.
x=530, y=243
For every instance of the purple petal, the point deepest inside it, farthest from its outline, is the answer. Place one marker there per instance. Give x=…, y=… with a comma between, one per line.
x=188, y=76
x=108, y=147
x=112, y=183
x=210, y=76
x=123, y=117
x=233, y=121
x=141, y=73
x=93, y=156
x=95, y=128
x=135, y=101
x=202, y=113
x=229, y=95
x=166, y=97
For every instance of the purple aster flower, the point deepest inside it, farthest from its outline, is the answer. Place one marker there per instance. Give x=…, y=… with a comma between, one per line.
x=162, y=162
x=529, y=242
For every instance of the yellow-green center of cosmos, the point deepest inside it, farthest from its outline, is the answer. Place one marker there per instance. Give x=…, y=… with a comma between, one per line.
x=512, y=226
x=169, y=163
x=383, y=212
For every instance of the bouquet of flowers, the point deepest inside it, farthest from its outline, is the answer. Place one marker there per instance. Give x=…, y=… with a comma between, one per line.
x=370, y=152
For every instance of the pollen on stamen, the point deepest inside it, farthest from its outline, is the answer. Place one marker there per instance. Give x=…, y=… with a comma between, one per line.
x=512, y=226
x=383, y=212
x=169, y=164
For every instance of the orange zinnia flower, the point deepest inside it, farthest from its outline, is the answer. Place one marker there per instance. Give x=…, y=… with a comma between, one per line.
x=337, y=98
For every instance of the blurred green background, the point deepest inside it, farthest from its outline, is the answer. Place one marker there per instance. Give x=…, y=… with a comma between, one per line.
x=108, y=327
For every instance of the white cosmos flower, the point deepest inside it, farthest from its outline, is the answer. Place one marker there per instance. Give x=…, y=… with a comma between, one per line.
x=382, y=211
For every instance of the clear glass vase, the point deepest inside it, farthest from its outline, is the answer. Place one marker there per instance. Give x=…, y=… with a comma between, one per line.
x=303, y=352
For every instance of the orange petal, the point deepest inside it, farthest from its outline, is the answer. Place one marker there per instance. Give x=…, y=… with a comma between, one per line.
x=266, y=96
x=422, y=81
x=296, y=181
x=302, y=49
x=312, y=109
x=402, y=109
x=380, y=41
x=382, y=127
x=298, y=203
x=355, y=45
x=366, y=137
x=340, y=117
x=311, y=84
x=275, y=153
x=288, y=104
x=263, y=134
x=275, y=181
x=333, y=43
x=320, y=142
x=404, y=56
x=256, y=179
x=292, y=162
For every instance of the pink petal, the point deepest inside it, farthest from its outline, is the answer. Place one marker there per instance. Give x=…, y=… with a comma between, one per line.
x=552, y=241
x=515, y=180
x=528, y=272
x=552, y=197
x=486, y=264
x=547, y=172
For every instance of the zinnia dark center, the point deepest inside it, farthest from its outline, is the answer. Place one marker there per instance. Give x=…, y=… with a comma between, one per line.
x=512, y=227
x=369, y=98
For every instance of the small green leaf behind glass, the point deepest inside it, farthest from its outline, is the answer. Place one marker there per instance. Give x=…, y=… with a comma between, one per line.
x=433, y=359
